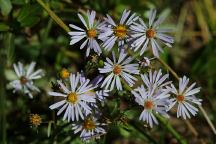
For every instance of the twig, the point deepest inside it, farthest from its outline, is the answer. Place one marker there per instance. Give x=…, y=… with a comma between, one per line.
x=201, y=108
x=54, y=16
x=207, y=119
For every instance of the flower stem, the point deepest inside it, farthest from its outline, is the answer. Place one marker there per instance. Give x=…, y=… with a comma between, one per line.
x=3, y=121
x=54, y=16
x=171, y=130
x=201, y=108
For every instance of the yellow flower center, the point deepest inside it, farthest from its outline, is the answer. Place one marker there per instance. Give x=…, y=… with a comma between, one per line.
x=89, y=124
x=92, y=33
x=120, y=31
x=64, y=73
x=35, y=119
x=180, y=98
x=148, y=105
x=72, y=97
x=117, y=69
x=150, y=33
x=23, y=80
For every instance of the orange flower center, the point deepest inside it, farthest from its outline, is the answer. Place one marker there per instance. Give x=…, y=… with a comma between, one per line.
x=92, y=33
x=180, y=98
x=72, y=97
x=148, y=104
x=117, y=69
x=120, y=31
x=35, y=119
x=150, y=33
x=64, y=73
x=89, y=124
x=23, y=80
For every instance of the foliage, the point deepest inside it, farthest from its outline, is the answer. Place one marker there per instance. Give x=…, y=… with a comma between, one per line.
x=28, y=33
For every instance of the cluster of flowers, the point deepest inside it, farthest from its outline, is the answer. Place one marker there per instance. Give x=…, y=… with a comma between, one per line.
x=79, y=96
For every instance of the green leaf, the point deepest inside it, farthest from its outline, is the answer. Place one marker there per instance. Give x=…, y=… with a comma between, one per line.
x=4, y=27
x=5, y=6
x=29, y=15
x=132, y=113
x=49, y=128
x=19, y=2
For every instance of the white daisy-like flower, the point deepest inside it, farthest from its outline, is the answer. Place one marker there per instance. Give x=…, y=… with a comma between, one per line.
x=152, y=34
x=76, y=99
x=155, y=80
x=102, y=94
x=89, y=34
x=118, y=70
x=152, y=103
x=25, y=78
x=112, y=32
x=89, y=129
x=185, y=97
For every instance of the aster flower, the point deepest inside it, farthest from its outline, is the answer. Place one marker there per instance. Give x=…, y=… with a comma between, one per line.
x=153, y=34
x=76, y=99
x=185, y=97
x=89, y=129
x=152, y=103
x=112, y=32
x=25, y=79
x=117, y=70
x=155, y=80
x=102, y=94
x=89, y=34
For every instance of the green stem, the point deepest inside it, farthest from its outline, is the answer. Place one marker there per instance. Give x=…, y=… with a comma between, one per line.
x=54, y=16
x=2, y=94
x=63, y=25
x=200, y=107
x=171, y=129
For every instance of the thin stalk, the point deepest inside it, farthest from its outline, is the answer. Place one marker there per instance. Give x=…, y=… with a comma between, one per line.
x=54, y=16
x=2, y=109
x=162, y=120
x=3, y=122
x=190, y=126
x=171, y=130
x=66, y=28
x=207, y=119
x=201, y=108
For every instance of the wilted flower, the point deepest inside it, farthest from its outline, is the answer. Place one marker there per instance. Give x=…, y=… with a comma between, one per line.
x=35, y=120
x=145, y=62
x=153, y=102
x=89, y=33
x=112, y=32
x=152, y=34
x=185, y=97
x=89, y=129
x=76, y=99
x=25, y=79
x=118, y=70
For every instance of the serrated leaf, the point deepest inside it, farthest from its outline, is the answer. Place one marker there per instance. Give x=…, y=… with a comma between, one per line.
x=29, y=15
